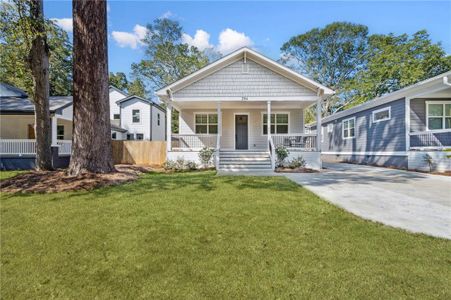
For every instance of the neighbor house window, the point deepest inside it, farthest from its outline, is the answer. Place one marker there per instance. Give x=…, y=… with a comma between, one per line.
x=206, y=123
x=139, y=136
x=136, y=116
x=116, y=116
x=382, y=114
x=113, y=135
x=438, y=115
x=279, y=123
x=130, y=136
x=330, y=128
x=348, y=128
x=158, y=119
x=60, y=132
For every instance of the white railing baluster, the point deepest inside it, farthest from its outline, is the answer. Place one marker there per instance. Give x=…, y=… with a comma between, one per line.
x=193, y=141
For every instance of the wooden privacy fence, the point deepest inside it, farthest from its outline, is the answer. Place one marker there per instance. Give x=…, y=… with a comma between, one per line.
x=139, y=152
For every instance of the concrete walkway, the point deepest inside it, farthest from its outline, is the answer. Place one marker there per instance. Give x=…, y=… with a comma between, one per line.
x=413, y=201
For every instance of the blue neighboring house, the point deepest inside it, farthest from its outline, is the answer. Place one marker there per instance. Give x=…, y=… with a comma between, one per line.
x=395, y=130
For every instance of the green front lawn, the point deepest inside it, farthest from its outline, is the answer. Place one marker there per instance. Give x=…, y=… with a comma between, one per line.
x=195, y=235
x=8, y=174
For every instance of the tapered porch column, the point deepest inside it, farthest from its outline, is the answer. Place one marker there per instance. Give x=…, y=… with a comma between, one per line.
x=54, y=131
x=168, y=127
x=318, y=123
x=268, y=123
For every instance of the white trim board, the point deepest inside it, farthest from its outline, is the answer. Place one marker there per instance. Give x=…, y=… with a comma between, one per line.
x=376, y=153
x=234, y=128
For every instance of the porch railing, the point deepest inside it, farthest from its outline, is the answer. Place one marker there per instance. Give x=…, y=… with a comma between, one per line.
x=272, y=153
x=193, y=141
x=17, y=147
x=430, y=139
x=302, y=141
x=65, y=147
x=28, y=147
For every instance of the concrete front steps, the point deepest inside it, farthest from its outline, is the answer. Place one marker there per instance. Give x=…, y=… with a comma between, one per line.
x=244, y=161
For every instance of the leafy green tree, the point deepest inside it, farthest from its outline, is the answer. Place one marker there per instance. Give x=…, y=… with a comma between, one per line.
x=395, y=62
x=136, y=87
x=331, y=55
x=167, y=58
x=15, y=44
x=118, y=80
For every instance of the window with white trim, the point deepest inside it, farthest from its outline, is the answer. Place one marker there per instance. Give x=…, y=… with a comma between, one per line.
x=139, y=136
x=279, y=123
x=330, y=128
x=348, y=127
x=116, y=117
x=438, y=115
x=113, y=135
x=60, y=132
x=136, y=116
x=206, y=123
x=382, y=114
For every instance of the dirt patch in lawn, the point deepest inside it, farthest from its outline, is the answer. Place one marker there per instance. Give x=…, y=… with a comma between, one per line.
x=295, y=170
x=59, y=181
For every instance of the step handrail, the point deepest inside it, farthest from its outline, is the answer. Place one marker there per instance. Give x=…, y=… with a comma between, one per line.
x=272, y=153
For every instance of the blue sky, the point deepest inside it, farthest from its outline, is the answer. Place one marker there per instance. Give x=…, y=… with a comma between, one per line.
x=264, y=26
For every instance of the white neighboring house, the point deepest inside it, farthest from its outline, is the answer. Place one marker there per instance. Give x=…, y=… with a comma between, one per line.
x=142, y=118
x=17, y=120
x=226, y=105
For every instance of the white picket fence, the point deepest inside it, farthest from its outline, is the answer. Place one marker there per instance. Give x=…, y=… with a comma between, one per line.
x=28, y=147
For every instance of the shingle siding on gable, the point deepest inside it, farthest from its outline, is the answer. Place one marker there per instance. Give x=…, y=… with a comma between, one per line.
x=385, y=136
x=231, y=81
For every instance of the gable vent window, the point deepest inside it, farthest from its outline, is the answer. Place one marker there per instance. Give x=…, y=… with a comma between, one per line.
x=245, y=68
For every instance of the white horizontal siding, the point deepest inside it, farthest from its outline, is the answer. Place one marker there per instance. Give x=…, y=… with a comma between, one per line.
x=256, y=139
x=127, y=120
x=231, y=81
x=158, y=131
x=114, y=108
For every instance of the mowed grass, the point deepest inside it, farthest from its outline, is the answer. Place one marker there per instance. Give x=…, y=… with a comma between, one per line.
x=196, y=235
x=8, y=174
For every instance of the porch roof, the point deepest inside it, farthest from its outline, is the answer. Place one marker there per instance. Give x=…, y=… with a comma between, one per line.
x=239, y=104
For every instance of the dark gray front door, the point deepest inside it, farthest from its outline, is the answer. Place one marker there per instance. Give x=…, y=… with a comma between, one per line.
x=241, y=132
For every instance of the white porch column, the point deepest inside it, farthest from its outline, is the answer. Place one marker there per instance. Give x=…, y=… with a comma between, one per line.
x=268, y=123
x=218, y=137
x=168, y=127
x=54, y=131
x=407, y=116
x=318, y=123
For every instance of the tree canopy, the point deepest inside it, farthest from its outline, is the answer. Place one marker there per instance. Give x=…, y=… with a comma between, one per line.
x=136, y=87
x=360, y=67
x=14, y=49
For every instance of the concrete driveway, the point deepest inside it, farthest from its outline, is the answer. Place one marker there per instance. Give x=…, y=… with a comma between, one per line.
x=413, y=201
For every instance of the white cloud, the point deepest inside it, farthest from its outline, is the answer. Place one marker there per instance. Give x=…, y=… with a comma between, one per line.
x=201, y=40
x=230, y=40
x=65, y=23
x=130, y=39
x=167, y=15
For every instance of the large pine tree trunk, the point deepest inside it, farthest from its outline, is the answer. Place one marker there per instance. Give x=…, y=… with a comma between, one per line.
x=39, y=64
x=91, y=146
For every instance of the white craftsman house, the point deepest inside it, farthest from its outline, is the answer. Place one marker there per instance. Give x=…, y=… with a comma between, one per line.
x=226, y=105
x=132, y=118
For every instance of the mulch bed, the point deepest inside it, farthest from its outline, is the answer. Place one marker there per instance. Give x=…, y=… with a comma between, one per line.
x=59, y=181
x=295, y=170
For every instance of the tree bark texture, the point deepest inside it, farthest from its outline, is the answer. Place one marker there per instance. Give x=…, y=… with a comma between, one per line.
x=91, y=142
x=39, y=65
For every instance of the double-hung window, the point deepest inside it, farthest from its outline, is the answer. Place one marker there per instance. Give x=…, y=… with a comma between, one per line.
x=438, y=115
x=279, y=123
x=60, y=132
x=348, y=127
x=206, y=123
x=136, y=116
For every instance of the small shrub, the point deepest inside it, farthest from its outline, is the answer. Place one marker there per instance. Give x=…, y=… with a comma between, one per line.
x=191, y=165
x=428, y=159
x=282, y=153
x=206, y=155
x=180, y=164
x=169, y=165
x=298, y=162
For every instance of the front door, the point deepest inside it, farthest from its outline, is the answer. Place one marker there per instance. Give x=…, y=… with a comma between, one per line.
x=241, y=123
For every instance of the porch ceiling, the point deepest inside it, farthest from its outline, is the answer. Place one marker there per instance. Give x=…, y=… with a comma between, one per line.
x=242, y=104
